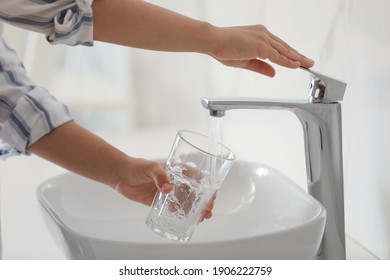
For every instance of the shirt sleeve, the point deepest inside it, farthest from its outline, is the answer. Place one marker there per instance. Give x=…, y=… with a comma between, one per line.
x=67, y=22
x=27, y=111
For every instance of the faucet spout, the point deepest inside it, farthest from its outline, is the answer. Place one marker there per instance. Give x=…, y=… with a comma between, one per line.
x=321, y=123
x=218, y=106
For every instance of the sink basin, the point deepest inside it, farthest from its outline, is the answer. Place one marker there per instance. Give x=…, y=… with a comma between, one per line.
x=259, y=214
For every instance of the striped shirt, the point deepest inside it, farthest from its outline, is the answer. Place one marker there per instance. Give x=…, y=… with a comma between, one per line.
x=28, y=111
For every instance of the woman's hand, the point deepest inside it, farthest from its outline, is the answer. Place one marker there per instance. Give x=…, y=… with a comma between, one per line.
x=141, y=182
x=248, y=46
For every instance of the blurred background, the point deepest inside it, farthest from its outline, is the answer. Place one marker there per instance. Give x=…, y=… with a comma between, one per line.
x=138, y=99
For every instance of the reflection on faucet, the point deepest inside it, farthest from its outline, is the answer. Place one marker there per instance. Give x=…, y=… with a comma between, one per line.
x=320, y=117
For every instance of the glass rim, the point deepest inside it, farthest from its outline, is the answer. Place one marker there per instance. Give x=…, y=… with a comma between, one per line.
x=230, y=157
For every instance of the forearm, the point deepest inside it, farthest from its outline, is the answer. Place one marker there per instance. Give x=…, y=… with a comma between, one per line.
x=139, y=24
x=80, y=151
x=143, y=25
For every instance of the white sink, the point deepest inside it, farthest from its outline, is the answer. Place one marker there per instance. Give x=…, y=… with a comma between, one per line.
x=259, y=214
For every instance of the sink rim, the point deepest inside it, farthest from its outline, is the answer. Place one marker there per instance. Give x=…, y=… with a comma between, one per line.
x=320, y=214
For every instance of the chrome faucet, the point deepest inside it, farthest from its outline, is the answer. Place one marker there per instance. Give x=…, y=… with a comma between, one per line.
x=320, y=117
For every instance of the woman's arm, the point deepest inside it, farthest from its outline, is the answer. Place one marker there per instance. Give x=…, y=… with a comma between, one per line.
x=78, y=150
x=139, y=24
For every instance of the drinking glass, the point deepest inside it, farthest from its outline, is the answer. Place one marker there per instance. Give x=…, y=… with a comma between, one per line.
x=196, y=167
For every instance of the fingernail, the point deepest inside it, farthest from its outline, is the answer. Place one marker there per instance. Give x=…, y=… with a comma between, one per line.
x=166, y=187
x=309, y=60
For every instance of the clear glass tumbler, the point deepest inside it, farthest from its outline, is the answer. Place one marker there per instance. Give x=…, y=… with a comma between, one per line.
x=196, y=167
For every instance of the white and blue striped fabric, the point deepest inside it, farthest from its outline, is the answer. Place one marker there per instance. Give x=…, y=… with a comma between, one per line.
x=63, y=21
x=28, y=111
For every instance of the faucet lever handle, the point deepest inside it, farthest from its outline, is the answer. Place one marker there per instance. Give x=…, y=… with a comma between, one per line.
x=324, y=89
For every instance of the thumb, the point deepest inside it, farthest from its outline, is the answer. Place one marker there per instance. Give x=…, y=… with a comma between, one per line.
x=259, y=66
x=255, y=65
x=157, y=173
